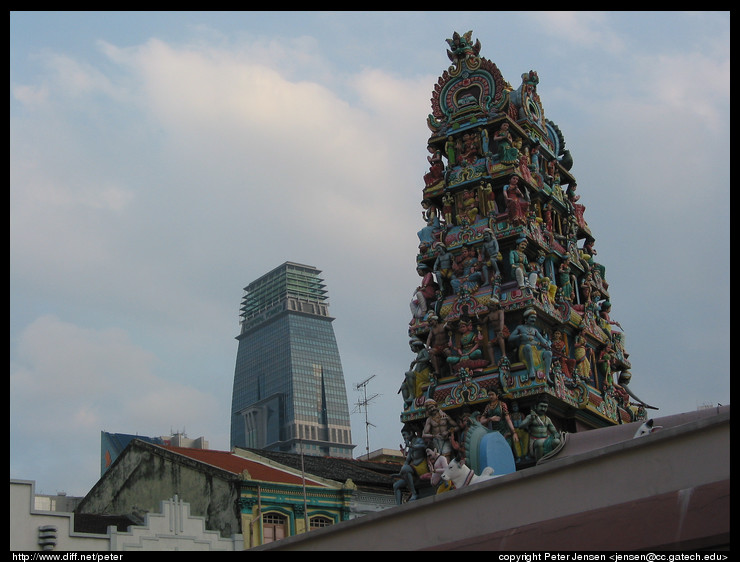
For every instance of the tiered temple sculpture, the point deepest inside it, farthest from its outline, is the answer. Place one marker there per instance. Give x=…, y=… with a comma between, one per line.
x=512, y=313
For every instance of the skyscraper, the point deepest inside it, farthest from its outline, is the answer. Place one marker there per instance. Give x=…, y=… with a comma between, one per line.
x=289, y=389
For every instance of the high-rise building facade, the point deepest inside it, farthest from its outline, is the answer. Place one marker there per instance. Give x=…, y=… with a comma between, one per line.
x=289, y=391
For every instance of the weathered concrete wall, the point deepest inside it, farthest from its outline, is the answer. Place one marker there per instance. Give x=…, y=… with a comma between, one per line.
x=146, y=475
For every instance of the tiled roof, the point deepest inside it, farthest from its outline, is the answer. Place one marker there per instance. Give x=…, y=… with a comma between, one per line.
x=364, y=474
x=236, y=465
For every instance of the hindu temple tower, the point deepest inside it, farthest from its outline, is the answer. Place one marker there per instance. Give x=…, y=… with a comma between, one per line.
x=510, y=289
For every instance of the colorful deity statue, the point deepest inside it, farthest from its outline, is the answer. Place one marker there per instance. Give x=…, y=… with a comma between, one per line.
x=436, y=167
x=496, y=417
x=497, y=332
x=582, y=359
x=534, y=349
x=489, y=199
x=565, y=279
x=414, y=466
x=467, y=272
x=606, y=364
x=536, y=270
x=605, y=320
x=438, y=429
x=519, y=262
x=561, y=353
x=437, y=464
x=524, y=162
x=470, y=148
x=517, y=207
x=469, y=207
x=507, y=152
x=430, y=233
x=449, y=152
x=489, y=256
x=521, y=445
x=470, y=347
x=535, y=165
x=438, y=344
x=418, y=374
x=543, y=436
x=623, y=385
x=442, y=268
x=577, y=208
x=485, y=141
x=425, y=294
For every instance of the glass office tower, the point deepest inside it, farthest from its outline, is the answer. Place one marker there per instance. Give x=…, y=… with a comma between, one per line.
x=289, y=389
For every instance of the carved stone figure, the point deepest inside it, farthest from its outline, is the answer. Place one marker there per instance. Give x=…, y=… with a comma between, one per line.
x=507, y=152
x=496, y=417
x=496, y=330
x=517, y=207
x=582, y=359
x=469, y=348
x=438, y=428
x=489, y=256
x=418, y=374
x=443, y=268
x=534, y=349
x=560, y=352
x=543, y=436
x=438, y=344
x=413, y=468
x=437, y=465
x=519, y=263
x=425, y=294
x=467, y=272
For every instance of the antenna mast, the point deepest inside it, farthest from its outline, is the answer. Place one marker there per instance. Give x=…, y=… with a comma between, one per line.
x=364, y=404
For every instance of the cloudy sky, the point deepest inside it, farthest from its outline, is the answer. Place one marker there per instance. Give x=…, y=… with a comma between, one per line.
x=160, y=161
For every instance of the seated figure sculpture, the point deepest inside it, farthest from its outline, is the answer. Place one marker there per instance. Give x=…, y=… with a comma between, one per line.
x=469, y=349
x=466, y=272
x=534, y=349
x=543, y=436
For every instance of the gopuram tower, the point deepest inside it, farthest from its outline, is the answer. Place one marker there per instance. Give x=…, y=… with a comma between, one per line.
x=511, y=299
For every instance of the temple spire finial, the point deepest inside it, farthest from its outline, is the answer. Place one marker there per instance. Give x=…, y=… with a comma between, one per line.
x=462, y=47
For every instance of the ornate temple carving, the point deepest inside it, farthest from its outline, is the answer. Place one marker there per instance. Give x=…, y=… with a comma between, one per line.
x=519, y=305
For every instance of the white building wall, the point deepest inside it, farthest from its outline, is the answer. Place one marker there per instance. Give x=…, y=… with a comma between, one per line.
x=171, y=529
x=174, y=529
x=25, y=522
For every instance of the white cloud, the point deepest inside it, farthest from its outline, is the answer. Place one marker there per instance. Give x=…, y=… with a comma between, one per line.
x=30, y=96
x=65, y=78
x=68, y=383
x=689, y=84
x=59, y=359
x=583, y=29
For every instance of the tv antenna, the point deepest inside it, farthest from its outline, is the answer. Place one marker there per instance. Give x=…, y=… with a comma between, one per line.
x=364, y=404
